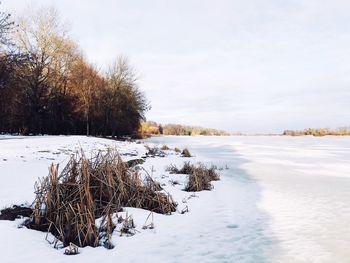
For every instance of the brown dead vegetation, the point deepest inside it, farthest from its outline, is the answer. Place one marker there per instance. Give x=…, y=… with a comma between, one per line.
x=177, y=150
x=165, y=148
x=200, y=176
x=186, y=153
x=154, y=151
x=187, y=168
x=68, y=203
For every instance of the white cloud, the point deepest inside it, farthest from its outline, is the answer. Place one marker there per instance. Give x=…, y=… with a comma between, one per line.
x=240, y=65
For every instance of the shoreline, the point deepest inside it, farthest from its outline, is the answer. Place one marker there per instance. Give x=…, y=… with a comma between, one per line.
x=36, y=156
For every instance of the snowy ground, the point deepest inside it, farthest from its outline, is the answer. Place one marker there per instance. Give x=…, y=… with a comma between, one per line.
x=282, y=199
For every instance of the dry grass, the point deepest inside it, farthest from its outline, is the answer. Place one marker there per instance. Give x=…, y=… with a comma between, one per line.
x=177, y=150
x=200, y=176
x=67, y=204
x=165, y=148
x=186, y=153
x=187, y=168
x=154, y=151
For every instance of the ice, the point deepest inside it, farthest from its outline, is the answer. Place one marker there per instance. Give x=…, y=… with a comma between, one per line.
x=302, y=187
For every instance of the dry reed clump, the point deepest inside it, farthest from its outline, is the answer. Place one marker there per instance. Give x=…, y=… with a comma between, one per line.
x=177, y=150
x=200, y=176
x=67, y=204
x=187, y=168
x=165, y=148
x=186, y=153
x=200, y=179
x=154, y=151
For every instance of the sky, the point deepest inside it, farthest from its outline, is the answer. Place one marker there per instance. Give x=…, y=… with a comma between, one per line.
x=251, y=66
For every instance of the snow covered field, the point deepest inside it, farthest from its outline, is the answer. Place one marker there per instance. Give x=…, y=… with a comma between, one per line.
x=282, y=199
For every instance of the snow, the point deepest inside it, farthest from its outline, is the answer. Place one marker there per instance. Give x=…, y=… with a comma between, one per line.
x=283, y=199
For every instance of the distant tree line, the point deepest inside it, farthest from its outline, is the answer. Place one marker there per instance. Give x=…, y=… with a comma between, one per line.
x=48, y=87
x=153, y=128
x=318, y=132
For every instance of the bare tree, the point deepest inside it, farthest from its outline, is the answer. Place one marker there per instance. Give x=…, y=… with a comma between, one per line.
x=50, y=54
x=6, y=27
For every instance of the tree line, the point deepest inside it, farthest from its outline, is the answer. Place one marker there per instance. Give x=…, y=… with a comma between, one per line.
x=318, y=132
x=153, y=128
x=48, y=87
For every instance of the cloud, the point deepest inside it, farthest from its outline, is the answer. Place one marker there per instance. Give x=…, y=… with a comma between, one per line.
x=253, y=66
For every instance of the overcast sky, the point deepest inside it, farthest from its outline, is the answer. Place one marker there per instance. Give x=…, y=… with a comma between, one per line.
x=250, y=66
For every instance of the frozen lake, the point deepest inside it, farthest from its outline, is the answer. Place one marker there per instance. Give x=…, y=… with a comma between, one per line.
x=287, y=200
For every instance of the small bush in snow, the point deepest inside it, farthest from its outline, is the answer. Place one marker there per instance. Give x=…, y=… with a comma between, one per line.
x=154, y=151
x=200, y=176
x=177, y=150
x=186, y=153
x=165, y=148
